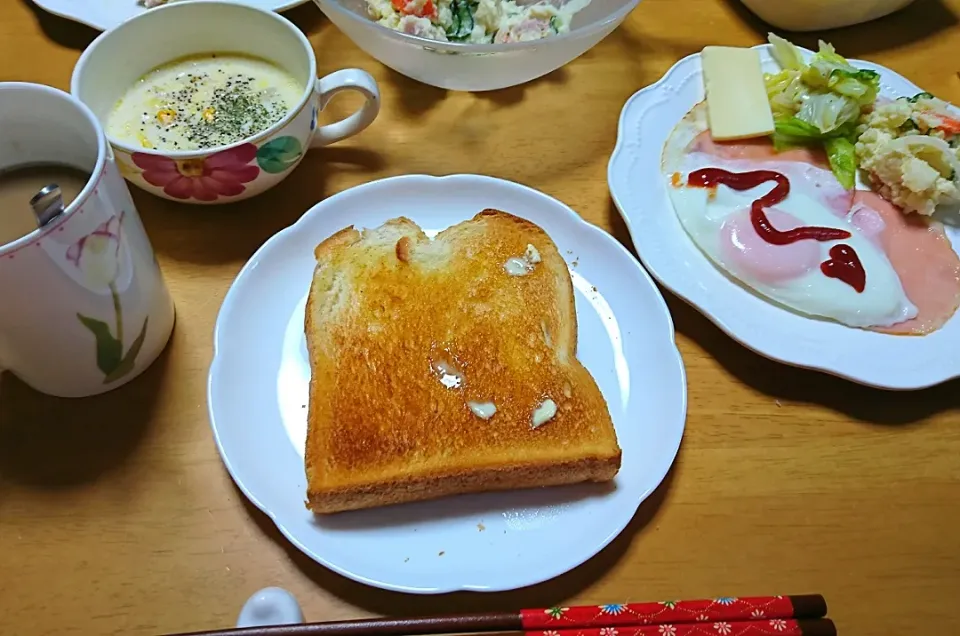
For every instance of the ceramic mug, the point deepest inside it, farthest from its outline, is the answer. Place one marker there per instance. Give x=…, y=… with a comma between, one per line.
x=84, y=307
x=118, y=58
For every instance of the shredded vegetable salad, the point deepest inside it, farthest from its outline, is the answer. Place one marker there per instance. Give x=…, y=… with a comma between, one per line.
x=820, y=102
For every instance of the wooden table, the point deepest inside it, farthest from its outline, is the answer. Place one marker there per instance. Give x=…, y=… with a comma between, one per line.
x=116, y=513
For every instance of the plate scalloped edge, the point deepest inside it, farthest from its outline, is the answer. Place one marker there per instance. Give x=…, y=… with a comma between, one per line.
x=796, y=349
x=276, y=240
x=79, y=11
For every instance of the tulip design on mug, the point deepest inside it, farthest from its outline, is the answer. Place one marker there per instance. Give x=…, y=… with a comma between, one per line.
x=97, y=256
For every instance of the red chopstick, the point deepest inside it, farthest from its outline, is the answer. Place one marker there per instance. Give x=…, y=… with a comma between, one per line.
x=750, y=616
x=759, y=627
x=670, y=612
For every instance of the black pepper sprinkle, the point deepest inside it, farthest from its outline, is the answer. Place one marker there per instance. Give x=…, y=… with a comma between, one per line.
x=238, y=111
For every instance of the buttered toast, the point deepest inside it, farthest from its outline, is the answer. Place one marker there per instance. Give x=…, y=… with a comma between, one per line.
x=447, y=366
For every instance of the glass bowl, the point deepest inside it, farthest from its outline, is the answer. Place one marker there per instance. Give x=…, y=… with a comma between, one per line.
x=475, y=67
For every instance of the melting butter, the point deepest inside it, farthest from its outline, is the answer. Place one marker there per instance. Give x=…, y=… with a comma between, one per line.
x=483, y=410
x=544, y=413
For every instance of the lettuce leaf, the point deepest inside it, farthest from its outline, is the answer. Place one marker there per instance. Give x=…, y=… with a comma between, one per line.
x=785, y=91
x=861, y=84
x=829, y=111
x=826, y=51
x=822, y=64
x=838, y=144
x=819, y=102
x=796, y=127
x=843, y=160
x=785, y=53
x=828, y=92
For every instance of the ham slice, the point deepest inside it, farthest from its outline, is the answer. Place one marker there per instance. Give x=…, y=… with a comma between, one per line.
x=923, y=258
x=760, y=149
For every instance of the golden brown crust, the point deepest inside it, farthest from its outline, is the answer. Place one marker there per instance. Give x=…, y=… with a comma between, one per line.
x=346, y=236
x=387, y=308
x=419, y=488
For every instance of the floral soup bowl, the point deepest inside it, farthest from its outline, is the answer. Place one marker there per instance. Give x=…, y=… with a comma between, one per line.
x=118, y=58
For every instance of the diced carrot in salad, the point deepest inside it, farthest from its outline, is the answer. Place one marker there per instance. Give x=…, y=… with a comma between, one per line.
x=418, y=8
x=949, y=125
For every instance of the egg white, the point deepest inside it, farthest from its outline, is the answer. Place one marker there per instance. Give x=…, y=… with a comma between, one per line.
x=702, y=213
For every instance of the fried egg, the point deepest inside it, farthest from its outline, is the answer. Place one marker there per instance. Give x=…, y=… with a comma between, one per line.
x=718, y=221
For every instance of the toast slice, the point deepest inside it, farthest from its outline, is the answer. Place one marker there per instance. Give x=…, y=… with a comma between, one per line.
x=437, y=365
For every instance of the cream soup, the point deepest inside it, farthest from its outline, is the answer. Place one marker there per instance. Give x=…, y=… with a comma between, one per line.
x=203, y=101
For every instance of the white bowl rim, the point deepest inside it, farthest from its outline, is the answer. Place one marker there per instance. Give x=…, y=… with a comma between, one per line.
x=463, y=48
x=181, y=155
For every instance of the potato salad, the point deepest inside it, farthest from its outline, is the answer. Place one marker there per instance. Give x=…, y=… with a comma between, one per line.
x=477, y=21
x=910, y=149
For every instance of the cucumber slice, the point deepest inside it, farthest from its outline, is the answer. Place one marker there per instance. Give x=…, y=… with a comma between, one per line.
x=462, y=25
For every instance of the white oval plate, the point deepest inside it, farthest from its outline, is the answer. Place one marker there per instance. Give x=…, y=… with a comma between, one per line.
x=639, y=191
x=487, y=542
x=106, y=14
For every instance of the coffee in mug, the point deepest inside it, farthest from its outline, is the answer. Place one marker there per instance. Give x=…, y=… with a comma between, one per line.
x=85, y=308
x=18, y=185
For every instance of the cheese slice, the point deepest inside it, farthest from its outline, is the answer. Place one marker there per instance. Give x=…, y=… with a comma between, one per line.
x=737, y=105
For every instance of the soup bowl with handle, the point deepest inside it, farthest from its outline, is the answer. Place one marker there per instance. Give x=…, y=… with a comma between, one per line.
x=120, y=57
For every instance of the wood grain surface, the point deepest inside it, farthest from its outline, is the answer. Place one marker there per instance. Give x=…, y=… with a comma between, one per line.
x=118, y=517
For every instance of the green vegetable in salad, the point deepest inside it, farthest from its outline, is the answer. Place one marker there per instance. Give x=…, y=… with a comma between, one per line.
x=839, y=145
x=861, y=85
x=839, y=91
x=908, y=125
x=828, y=111
x=786, y=54
x=797, y=128
x=462, y=24
x=843, y=160
x=918, y=96
x=829, y=71
x=804, y=132
x=819, y=102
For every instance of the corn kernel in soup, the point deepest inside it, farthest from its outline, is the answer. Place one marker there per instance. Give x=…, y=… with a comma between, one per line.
x=203, y=101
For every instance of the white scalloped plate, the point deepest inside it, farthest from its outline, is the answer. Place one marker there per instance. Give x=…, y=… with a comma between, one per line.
x=106, y=14
x=639, y=191
x=488, y=542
